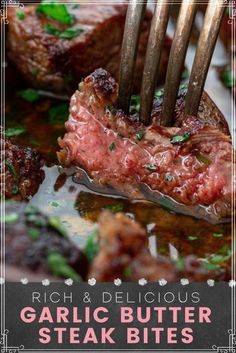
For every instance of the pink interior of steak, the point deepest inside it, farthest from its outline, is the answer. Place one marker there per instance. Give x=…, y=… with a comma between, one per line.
x=108, y=145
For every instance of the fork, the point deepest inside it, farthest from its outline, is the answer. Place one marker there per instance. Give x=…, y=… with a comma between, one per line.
x=205, y=48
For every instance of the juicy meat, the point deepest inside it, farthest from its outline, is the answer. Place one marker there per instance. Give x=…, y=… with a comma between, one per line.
x=23, y=170
x=36, y=243
x=107, y=144
x=123, y=253
x=55, y=63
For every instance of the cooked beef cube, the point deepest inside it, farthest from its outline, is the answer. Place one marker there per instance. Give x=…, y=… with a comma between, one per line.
x=190, y=163
x=123, y=253
x=22, y=168
x=46, y=60
x=39, y=244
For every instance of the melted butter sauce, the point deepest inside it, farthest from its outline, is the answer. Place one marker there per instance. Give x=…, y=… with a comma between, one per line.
x=78, y=207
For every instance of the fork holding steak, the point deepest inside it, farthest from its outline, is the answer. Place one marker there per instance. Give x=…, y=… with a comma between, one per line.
x=190, y=164
x=49, y=61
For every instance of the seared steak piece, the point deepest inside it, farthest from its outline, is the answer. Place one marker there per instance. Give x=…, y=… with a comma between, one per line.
x=49, y=61
x=22, y=168
x=38, y=244
x=123, y=253
x=190, y=164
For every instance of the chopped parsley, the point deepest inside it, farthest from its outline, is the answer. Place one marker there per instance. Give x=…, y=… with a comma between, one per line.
x=56, y=11
x=203, y=159
x=169, y=177
x=217, y=235
x=15, y=189
x=140, y=135
x=228, y=78
x=10, y=167
x=179, y=264
x=114, y=208
x=34, y=72
x=159, y=93
x=58, y=114
x=180, y=138
x=151, y=167
x=14, y=131
x=55, y=223
x=192, y=237
x=34, y=233
x=20, y=15
x=134, y=104
x=127, y=272
x=59, y=266
x=112, y=146
x=91, y=247
x=29, y=94
x=69, y=33
x=11, y=217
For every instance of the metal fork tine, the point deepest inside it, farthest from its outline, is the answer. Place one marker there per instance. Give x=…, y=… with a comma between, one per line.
x=152, y=59
x=204, y=52
x=134, y=17
x=176, y=59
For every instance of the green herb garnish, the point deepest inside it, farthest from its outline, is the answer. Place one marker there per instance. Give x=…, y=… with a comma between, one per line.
x=179, y=264
x=14, y=131
x=91, y=247
x=15, y=189
x=180, y=138
x=151, y=167
x=10, y=167
x=134, y=104
x=191, y=237
x=56, y=11
x=34, y=72
x=56, y=224
x=11, y=217
x=114, y=208
x=169, y=177
x=112, y=146
x=20, y=15
x=140, y=135
x=34, y=233
x=127, y=272
x=58, y=114
x=217, y=235
x=69, y=33
x=228, y=78
x=30, y=95
x=203, y=159
x=59, y=266
x=159, y=93
x=30, y=210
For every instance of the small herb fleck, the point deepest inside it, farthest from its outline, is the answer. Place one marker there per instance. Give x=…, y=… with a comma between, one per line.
x=127, y=272
x=58, y=114
x=20, y=15
x=114, y=208
x=34, y=233
x=217, y=235
x=140, y=135
x=56, y=224
x=111, y=109
x=159, y=93
x=151, y=167
x=134, y=104
x=11, y=218
x=56, y=11
x=203, y=159
x=191, y=237
x=14, y=131
x=30, y=95
x=34, y=73
x=228, y=78
x=112, y=146
x=10, y=167
x=59, y=266
x=15, y=189
x=91, y=247
x=169, y=177
x=180, y=138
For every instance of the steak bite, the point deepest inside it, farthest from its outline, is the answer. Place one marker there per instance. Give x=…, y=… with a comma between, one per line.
x=54, y=55
x=190, y=164
x=123, y=253
x=39, y=244
x=22, y=168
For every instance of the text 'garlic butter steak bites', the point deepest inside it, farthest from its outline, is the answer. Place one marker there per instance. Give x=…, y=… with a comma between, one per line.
x=55, y=45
